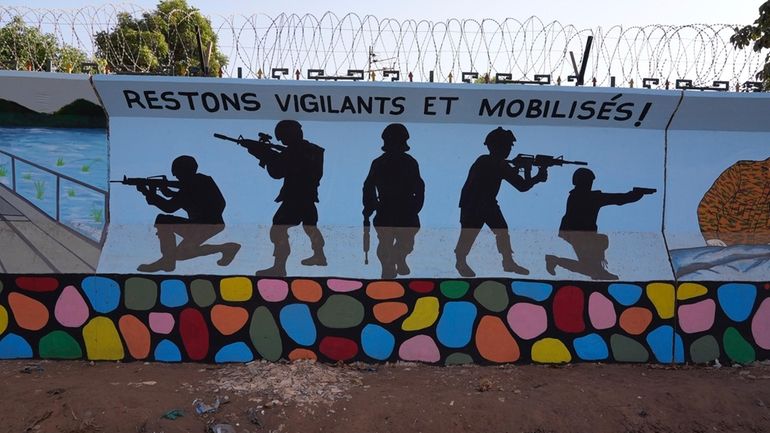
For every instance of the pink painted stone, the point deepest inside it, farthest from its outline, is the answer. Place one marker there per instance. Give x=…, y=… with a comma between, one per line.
x=527, y=320
x=697, y=317
x=601, y=311
x=342, y=286
x=71, y=309
x=273, y=290
x=760, y=325
x=420, y=348
x=161, y=323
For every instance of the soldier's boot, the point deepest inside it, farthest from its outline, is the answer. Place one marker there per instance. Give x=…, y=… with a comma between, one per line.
x=317, y=259
x=462, y=266
x=229, y=250
x=389, y=271
x=277, y=270
x=402, y=268
x=317, y=243
x=551, y=262
x=167, y=260
x=509, y=265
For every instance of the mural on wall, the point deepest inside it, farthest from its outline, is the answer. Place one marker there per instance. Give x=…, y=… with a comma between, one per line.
x=338, y=146
x=718, y=206
x=53, y=173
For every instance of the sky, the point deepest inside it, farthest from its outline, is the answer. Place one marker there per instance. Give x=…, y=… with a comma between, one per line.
x=586, y=14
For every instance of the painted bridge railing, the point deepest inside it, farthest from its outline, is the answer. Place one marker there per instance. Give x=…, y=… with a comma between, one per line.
x=90, y=236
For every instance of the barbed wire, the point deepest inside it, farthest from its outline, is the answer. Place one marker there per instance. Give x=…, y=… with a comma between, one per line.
x=443, y=50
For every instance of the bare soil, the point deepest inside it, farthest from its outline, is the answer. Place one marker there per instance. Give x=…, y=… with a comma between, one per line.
x=260, y=397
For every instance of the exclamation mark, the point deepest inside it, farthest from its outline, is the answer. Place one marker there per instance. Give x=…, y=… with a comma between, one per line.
x=644, y=114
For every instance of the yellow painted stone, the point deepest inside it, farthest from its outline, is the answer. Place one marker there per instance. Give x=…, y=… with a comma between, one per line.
x=236, y=289
x=102, y=340
x=662, y=297
x=424, y=314
x=690, y=290
x=550, y=351
x=3, y=319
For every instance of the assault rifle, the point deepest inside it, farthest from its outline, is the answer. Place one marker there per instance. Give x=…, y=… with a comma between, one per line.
x=526, y=162
x=260, y=148
x=153, y=182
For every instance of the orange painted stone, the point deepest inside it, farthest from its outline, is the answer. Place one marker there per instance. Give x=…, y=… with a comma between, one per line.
x=635, y=320
x=229, y=320
x=494, y=342
x=387, y=312
x=136, y=335
x=382, y=290
x=28, y=313
x=306, y=290
x=297, y=354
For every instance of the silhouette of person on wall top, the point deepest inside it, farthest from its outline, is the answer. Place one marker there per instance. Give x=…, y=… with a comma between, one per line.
x=300, y=166
x=396, y=192
x=578, y=227
x=478, y=200
x=199, y=196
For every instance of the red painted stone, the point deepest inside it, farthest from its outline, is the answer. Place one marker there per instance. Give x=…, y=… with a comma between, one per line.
x=195, y=334
x=422, y=286
x=568, y=306
x=37, y=284
x=338, y=348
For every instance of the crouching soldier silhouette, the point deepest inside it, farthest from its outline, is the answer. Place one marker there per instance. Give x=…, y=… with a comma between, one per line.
x=199, y=196
x=395, y=191
x=478, y=200
x=300, y=165
x=578, y=226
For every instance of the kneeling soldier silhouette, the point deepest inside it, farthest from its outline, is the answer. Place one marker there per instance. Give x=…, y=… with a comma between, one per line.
x=199, y=196
x=478, y=200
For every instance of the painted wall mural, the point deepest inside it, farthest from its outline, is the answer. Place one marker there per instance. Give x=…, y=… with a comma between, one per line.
x=231, y=220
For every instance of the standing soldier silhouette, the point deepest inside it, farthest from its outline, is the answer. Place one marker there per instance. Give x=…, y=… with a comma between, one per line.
x=199, y=196
x=301, y=168
x=578, y=226
x=395, y=190
x=478, y=200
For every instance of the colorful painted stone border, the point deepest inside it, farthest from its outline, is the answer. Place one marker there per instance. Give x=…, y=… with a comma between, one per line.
x=238, y=319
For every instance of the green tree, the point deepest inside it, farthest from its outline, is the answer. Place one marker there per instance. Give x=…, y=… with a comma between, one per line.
x=26, y=47
x=164, y=38
x=759, y=34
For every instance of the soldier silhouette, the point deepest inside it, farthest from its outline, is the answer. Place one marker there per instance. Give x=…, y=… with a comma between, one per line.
x=578, y=227
x=478, y=200
x=199, y=196
x=300, y=166
x=395, y=191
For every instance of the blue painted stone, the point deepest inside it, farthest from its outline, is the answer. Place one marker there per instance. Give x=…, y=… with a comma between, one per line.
x=665, y=346
x=103, y=293
x=173, y=293
x=166, y=351
x=625, y=294
x=537, y=291
x=236, y=352
x=591, y=348
x=13, y=346
x=298, y=324
x=737, y=300
x=377, y=342
x=455, y=326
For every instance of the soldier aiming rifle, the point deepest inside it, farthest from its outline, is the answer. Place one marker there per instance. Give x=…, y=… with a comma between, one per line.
x=523, y=162
x=262, y=149
x=196, y=194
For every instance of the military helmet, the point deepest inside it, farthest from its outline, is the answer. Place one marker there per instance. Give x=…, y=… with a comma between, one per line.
x=184, y=164
x=583, y=176
x=499, y=136
x=288, y=129
x=394, y=137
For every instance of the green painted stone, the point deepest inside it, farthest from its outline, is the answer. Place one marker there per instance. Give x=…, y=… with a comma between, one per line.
x=492, y=295
x=704, y=349
x=141, y=294
x=203, y=292
x=341, y=311
x=59, y=345
x=737, y=348
x=458, y=359
x=265, y=335
x=625, y=349
x=454, y=289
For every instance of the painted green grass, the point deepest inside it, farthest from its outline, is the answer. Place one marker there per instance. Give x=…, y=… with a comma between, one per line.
x=3, y=171
x=97, y=214
x=71, y=192
x=26, y=176
x=60, y=162
x=39, y=189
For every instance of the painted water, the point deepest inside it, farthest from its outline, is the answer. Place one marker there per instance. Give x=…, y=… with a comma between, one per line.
x=80, y=154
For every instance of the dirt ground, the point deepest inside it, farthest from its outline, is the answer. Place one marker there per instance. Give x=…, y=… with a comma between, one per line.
x=259, y=397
